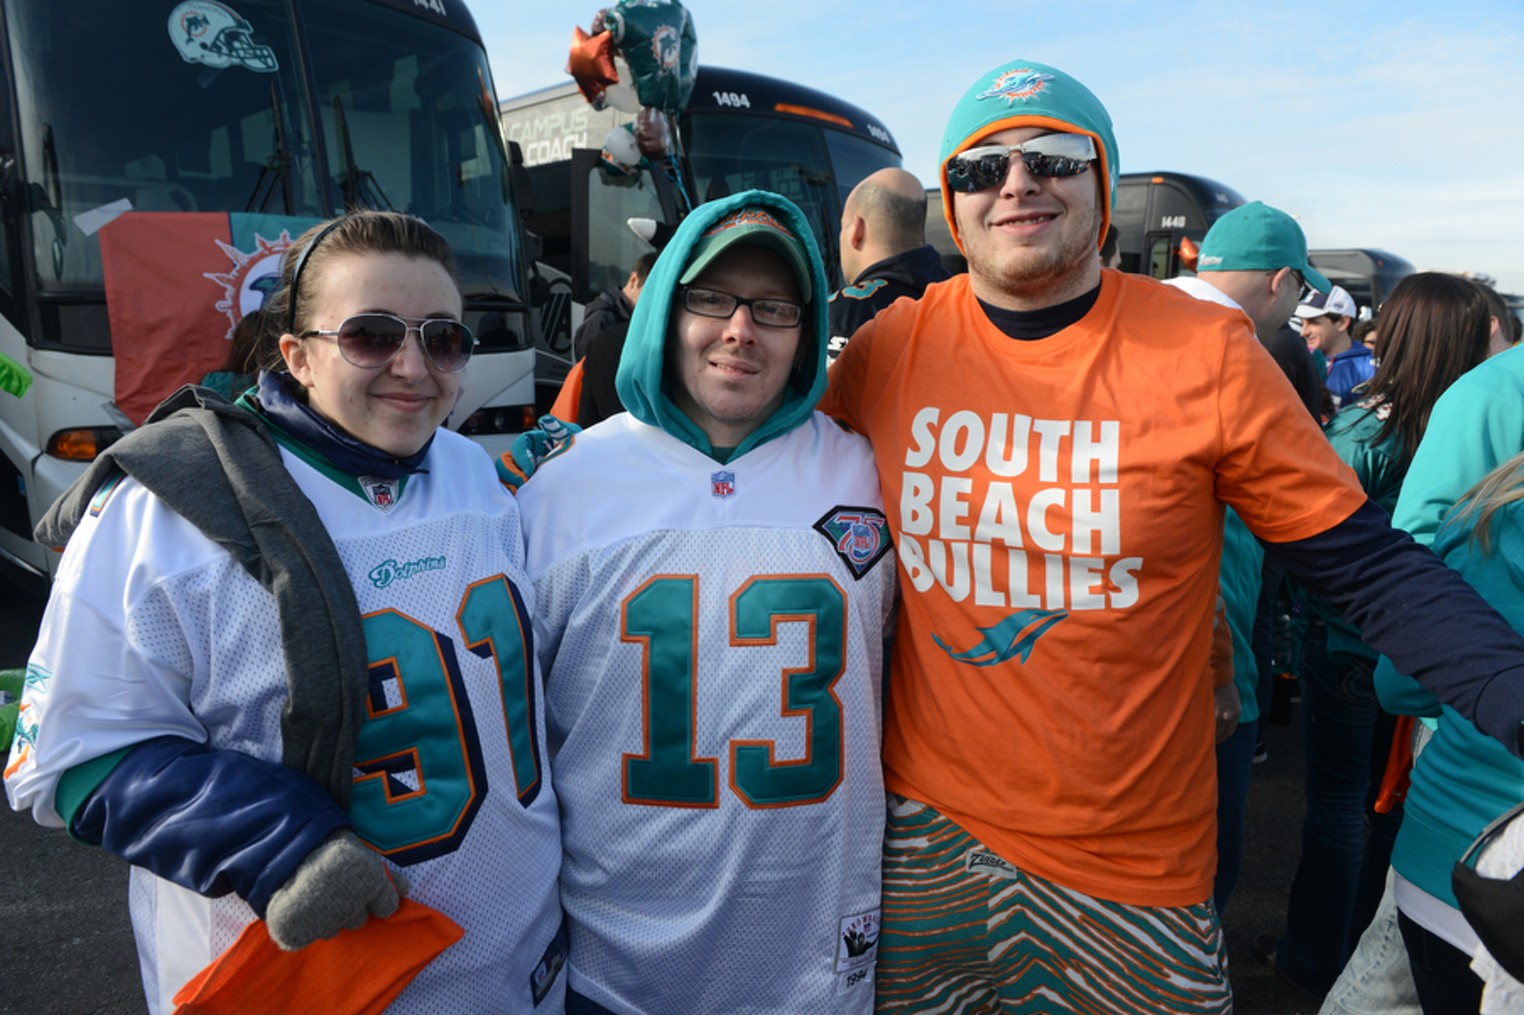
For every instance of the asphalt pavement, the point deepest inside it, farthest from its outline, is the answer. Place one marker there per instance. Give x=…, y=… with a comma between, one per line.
x=66, y=945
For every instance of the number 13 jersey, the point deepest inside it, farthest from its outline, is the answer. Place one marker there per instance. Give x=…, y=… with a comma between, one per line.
x=712, y=642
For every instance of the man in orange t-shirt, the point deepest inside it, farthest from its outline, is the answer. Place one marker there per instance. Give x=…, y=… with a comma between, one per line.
x=1056, y=444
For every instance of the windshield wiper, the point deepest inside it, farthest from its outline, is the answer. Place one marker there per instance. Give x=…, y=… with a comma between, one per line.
x=358, y=186
x=47, y=197
x=277, y=168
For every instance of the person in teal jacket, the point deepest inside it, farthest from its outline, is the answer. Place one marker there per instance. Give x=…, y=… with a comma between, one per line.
x=1462, y=779
x=1437, y=327
x=1477, y=424
x=1238, y=584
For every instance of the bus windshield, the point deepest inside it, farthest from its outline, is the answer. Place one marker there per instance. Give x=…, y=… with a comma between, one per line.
x=410, y=123
x=731, y=153
x=217, y=119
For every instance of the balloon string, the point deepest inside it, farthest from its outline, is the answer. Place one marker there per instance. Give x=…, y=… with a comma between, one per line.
x=675, y=163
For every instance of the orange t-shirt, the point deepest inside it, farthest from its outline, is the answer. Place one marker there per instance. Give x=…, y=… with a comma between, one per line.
x=1057, y=511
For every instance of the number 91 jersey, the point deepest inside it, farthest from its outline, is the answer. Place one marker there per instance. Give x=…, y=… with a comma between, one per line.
x=712, y=639
x=166, y=635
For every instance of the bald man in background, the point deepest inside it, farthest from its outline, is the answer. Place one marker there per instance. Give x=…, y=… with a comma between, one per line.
x=883, y=251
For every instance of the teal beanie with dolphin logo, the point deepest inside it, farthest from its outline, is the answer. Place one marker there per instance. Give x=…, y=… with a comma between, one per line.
x=1023, y=93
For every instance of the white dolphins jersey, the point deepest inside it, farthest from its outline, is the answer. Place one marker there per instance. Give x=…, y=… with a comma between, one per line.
x=153, y=630
x=712, y=638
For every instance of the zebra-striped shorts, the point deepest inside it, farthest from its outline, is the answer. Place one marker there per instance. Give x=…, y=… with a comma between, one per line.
x=966, y=931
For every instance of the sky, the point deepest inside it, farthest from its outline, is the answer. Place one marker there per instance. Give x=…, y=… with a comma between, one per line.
x=1395, y=125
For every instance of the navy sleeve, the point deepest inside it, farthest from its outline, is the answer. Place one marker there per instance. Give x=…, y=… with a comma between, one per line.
x=1419, y=613
x=208, y=820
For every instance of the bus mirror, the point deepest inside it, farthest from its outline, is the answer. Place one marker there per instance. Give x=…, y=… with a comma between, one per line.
x=534, y=247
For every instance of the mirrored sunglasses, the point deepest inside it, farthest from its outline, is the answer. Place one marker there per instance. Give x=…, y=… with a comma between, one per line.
x=374, y=340
x=1049, y=155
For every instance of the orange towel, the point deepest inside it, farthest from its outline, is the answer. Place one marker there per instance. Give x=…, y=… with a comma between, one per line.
x=569, y=400
x=356, y=972
x=1399, y=767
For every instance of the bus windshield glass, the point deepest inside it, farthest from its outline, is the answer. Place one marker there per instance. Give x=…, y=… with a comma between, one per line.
x=185, y=137
x=854, y=158
x=811, y=165
x=218, y=120
x=409, y=122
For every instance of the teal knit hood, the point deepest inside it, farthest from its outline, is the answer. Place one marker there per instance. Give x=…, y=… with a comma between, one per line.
x=644, y=381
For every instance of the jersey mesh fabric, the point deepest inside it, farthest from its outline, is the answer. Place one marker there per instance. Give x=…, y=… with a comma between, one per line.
x=1058, y=523
x=196, y=643
x=710, y=903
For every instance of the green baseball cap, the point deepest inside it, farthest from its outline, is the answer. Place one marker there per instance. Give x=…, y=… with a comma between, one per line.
x=752, y=224
x=1257, y=237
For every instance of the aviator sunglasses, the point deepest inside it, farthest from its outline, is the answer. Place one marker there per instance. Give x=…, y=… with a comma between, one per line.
x=1049, y=155
x=374, y=340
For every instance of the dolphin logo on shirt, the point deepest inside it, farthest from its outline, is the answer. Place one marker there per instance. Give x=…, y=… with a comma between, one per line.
x=1013, y=637
x=862, y=292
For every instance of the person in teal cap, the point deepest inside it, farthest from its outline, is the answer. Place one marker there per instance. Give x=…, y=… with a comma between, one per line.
x=1253, y=259
x=1056, y=445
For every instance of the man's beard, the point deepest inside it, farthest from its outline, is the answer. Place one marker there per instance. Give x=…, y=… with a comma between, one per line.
x=1028, y=273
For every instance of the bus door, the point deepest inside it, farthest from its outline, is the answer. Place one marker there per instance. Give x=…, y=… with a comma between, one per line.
x=1168, y=252
x=602, y=249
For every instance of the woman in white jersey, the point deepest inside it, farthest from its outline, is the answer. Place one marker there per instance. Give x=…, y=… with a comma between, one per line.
x=287, y=668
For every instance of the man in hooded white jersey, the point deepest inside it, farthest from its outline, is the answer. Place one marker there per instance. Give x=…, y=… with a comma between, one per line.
x=713, y=582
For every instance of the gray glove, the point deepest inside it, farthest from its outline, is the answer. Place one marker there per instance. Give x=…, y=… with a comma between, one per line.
x=338, y=886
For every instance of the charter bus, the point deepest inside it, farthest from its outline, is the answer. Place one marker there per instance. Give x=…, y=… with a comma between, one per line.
x=252, y=119
x=740, y=130
x=1160, y=216
x=1368, y=275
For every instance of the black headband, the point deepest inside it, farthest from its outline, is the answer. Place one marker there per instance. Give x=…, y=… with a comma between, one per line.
x=296, y=273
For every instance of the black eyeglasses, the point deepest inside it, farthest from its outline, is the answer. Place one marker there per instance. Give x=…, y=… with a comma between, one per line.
x=766, y=312
x=374, y=340
x=1049, y=155
x=1302, y=286
x=1296, y=278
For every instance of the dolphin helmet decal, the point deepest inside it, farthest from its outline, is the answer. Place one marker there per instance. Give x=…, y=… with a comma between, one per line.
x=208, y=32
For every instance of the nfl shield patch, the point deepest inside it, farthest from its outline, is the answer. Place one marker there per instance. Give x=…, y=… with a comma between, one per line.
x=380, y=491
x=859, y=534
x=722, y=483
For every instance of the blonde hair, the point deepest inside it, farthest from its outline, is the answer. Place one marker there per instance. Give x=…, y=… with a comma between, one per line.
x=1495, y=491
